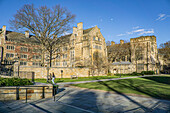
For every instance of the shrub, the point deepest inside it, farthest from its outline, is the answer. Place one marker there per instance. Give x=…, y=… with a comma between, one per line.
x=109, y=74
x=14, y=82
x=147, y=72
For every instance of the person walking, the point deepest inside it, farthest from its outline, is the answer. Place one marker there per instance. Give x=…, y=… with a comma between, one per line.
x=53, y=78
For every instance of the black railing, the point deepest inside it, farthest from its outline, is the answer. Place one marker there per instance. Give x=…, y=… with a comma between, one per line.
x=54, y=91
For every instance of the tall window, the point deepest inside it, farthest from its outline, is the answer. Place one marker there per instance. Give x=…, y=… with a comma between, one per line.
x=57, y=63
x=72, y=55
x=64, y=56
x=9, y=55
x=10, y=47
x=94, y=38
x=23, y=63
x=84, y=38
x=23, y=56
x=64, y=63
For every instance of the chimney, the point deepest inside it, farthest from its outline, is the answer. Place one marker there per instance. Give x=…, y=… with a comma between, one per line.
x=80, y=30
x=112, y=43
x=121, y=41
x=80, y=25
x=27, y=34
x=74, y=30
x=4, y=30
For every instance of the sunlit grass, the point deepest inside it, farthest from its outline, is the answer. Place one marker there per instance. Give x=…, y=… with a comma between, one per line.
x=156, y=86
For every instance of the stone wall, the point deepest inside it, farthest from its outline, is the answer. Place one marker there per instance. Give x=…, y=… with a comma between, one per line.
x=33, y=93
x=41, y=72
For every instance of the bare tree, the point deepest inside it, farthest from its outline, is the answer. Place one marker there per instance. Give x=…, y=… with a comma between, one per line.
x=138, y=54
x=46, y=24
x=118, y=52
x=98, y=62
x=164, y=49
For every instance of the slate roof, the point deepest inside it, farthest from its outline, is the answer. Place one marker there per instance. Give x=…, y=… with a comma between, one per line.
x=20, y=37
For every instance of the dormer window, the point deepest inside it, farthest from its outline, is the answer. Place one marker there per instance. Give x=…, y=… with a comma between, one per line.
x=84, y=38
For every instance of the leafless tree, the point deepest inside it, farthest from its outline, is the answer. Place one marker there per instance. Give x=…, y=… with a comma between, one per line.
x=46, y=24
x=118, y=52
x=138, y=54
x=98, y=62
x=164, y=49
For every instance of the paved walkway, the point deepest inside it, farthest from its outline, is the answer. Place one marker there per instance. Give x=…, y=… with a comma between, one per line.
x=76, y=100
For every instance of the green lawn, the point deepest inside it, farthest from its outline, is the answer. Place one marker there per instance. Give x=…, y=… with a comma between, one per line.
x=58, y=80
x=156, y=86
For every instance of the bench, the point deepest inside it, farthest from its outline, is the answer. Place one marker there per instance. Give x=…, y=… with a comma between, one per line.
x=74, y=76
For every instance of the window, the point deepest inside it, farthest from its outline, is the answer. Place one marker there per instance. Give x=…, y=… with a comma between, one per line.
x=58, y=50
x=99, y=39
x=23, y=63
x=64, y=56
x=24, y=49
x=58, y=57
x=84, y=38
x=72, y=42
x=9, y=55
x=23, y=56
x=64, y=48
x=36, y=64
x=72, y=55
x=36, y=57
x=37, y=51
x=10, y=47
x=64, y=63
x=100, y=47
x=75, y=35
x=94, y=38
x=57, y=63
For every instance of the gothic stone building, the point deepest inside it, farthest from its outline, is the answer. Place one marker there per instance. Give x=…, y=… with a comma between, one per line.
x=142, y=55
x=77, y=50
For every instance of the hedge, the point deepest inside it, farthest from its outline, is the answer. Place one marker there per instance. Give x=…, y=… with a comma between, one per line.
x=14, y=82
x=147, y=72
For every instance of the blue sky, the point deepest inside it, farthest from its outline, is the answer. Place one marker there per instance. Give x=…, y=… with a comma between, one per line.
x=117, y=19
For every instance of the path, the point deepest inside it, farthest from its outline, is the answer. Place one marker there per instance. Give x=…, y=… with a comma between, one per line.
x=76, y=100
x=69, y=83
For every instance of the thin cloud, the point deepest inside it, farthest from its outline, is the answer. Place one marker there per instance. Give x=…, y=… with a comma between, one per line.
x=162, y=17
x=135, y=27
x=138, y=32
x=120, y=34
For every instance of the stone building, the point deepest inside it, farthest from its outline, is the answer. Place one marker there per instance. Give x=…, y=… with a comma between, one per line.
x=140, y=54
x=76, y=50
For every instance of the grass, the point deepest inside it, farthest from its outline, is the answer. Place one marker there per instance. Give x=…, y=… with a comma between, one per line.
x=58, y=80
x=156, y=86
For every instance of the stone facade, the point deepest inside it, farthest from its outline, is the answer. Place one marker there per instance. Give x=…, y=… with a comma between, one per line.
x=143, y=56
x=19, y=50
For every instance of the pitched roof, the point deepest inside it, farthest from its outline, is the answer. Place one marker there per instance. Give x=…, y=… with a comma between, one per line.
x=87, y=30
x=20, y=37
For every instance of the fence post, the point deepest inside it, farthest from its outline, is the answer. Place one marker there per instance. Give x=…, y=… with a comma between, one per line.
x=26, y=95
x=17, y=93
x=43, y=95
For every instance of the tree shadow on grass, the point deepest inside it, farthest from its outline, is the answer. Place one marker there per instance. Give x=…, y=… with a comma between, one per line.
x=160, y=79
x=137, y=88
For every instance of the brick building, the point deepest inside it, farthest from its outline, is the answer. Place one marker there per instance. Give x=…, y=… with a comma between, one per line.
x=75, y=51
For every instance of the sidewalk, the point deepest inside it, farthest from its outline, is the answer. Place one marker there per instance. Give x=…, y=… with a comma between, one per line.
x=76, y=100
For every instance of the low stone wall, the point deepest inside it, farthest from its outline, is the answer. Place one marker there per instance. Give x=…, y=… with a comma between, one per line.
x=41, y=72
x=19, y=93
